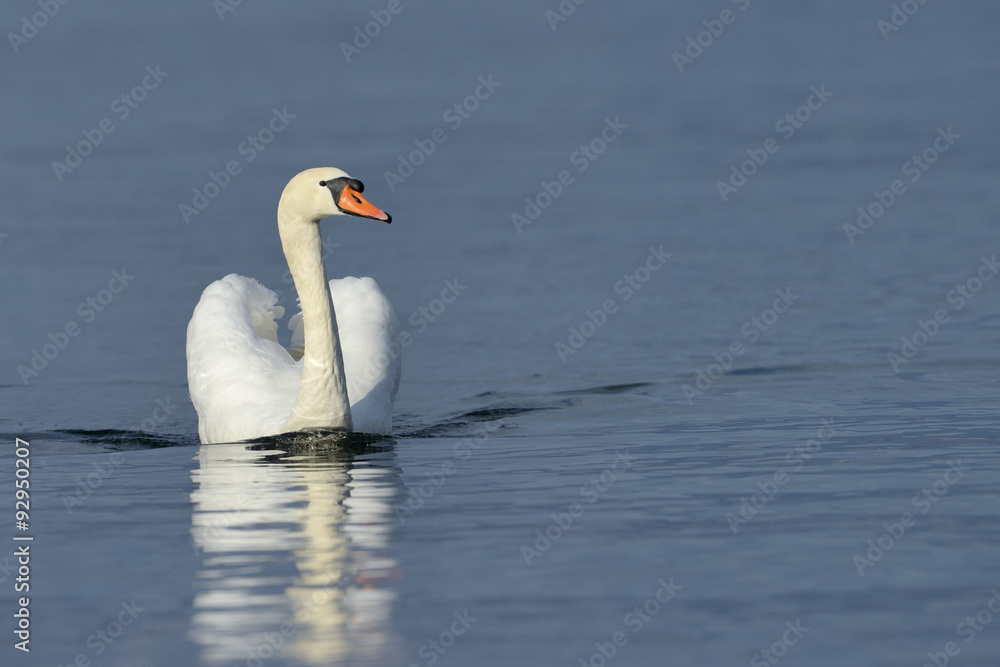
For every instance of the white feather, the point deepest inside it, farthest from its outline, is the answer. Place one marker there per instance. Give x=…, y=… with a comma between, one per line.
x=243, y=383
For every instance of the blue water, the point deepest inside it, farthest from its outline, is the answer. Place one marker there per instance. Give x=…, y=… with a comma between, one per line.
x=657, y=426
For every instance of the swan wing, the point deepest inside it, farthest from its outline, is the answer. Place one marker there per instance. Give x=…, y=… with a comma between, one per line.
x=242, y=382
x=369, y=340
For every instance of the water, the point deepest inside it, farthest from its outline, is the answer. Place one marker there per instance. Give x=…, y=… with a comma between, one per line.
x=693, y=477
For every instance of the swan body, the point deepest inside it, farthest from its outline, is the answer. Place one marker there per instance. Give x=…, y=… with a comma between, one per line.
x=245, y=385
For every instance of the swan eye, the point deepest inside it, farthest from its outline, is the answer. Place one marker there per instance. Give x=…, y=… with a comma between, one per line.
x=322, y=184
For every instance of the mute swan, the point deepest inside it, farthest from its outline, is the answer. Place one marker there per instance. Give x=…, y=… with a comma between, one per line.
x=245, y=385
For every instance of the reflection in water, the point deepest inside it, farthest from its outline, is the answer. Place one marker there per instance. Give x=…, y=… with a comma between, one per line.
x=294, y=534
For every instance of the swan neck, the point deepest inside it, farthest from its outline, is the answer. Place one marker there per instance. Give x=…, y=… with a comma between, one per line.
x=322, y=400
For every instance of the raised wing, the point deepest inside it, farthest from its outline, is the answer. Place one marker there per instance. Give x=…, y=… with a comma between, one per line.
x=242, y=382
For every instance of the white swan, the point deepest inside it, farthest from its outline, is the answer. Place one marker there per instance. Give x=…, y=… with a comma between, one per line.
x=245, y=385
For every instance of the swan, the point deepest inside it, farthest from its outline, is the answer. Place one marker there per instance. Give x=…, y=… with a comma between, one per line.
x=341, y=373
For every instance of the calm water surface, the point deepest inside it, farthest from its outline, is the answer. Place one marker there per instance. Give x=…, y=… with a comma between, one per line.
x=657, y=426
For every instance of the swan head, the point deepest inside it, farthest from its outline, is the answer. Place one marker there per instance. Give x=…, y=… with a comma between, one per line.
x=319, y=193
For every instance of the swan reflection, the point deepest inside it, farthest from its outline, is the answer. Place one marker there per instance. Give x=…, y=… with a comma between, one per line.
x=294, y=537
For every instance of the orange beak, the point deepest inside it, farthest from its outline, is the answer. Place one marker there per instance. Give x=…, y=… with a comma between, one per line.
x=351, y=201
